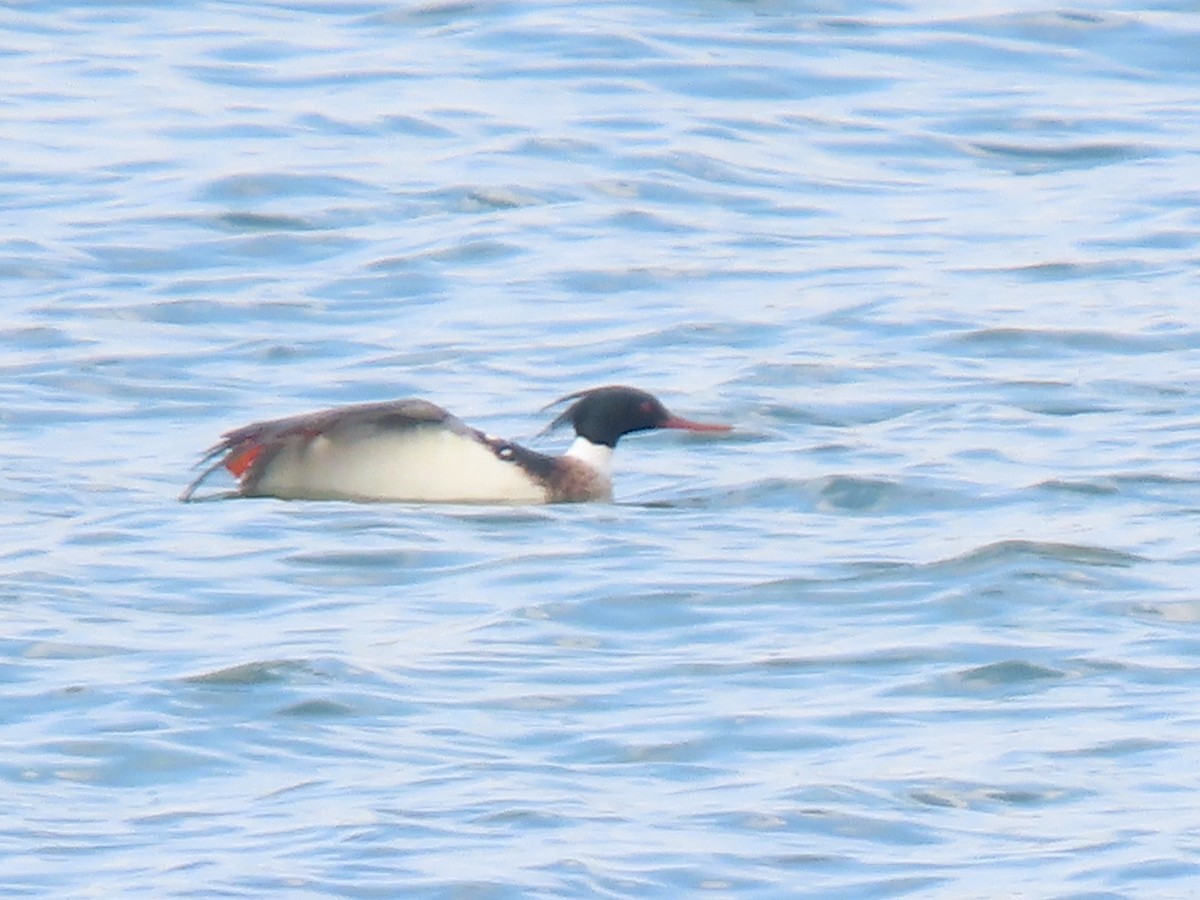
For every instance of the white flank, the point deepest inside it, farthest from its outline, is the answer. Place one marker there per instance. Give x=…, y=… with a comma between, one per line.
x=423, y=465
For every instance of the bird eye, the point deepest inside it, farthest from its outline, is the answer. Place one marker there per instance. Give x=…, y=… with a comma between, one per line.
x=646, y=406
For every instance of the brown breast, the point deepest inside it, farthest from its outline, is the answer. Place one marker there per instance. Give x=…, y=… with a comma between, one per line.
x=574, y=481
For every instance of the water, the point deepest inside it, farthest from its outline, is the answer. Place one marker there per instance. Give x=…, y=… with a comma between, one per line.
x=925, y=625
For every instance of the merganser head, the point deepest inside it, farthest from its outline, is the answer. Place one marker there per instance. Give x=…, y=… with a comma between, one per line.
x=602, y=415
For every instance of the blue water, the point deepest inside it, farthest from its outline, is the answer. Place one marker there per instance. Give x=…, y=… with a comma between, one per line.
x=926, y=625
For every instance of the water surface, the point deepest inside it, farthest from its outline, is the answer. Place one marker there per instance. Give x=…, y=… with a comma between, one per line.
x=925, y=625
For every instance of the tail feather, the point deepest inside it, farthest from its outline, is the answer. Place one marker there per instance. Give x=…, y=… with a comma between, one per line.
x=217, y=456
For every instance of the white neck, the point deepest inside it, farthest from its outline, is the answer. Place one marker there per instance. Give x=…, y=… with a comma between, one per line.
x=598, y=456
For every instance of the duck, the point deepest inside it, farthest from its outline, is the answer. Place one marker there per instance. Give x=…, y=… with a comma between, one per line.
x=415, y=451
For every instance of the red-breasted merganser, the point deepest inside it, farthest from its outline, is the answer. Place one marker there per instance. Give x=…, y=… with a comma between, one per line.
x=412, y=450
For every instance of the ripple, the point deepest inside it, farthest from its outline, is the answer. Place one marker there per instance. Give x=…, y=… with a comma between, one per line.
x=832, y=493
x=1028, y=158
x=976, y=796
x=265, y=672
x=945, y=295
x=1009, y=673
x=1015, y=550
x=250, y=222
x=1023, y=341
x=1119, y=748
x=256, y=187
